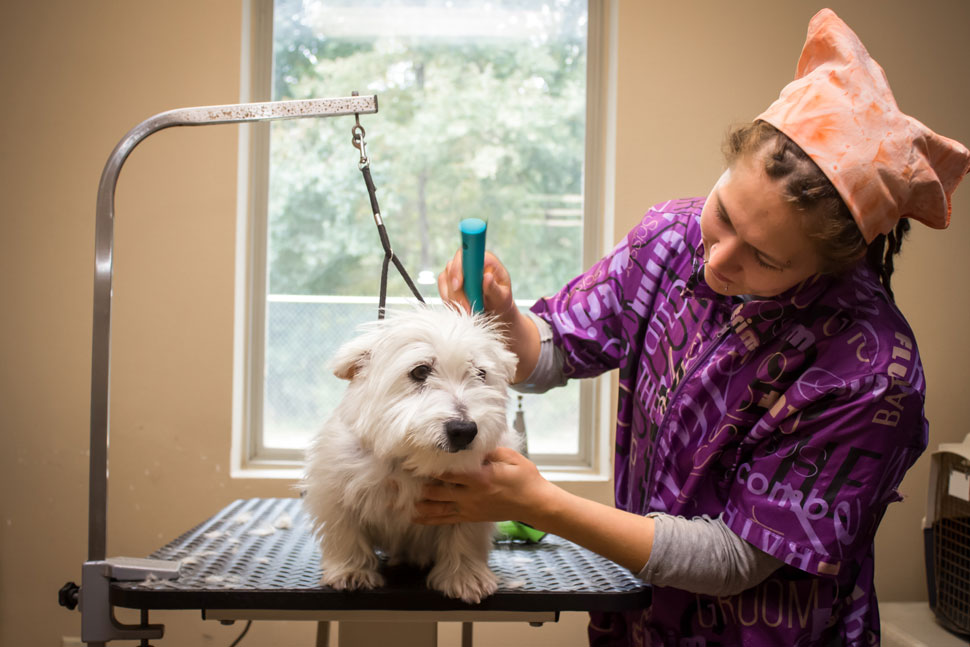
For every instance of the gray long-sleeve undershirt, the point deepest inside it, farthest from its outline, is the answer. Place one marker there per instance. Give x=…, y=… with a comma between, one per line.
x=703, y=555
x=700, y=555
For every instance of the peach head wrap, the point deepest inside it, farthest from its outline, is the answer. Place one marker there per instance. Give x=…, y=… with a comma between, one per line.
x=841, y=112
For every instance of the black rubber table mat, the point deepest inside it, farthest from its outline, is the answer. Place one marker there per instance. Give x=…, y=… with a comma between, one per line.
x=259, y=554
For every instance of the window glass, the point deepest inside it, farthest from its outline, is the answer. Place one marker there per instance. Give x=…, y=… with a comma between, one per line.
x=481, y=114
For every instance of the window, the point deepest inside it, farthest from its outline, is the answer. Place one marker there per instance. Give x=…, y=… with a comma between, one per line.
x=482, y=113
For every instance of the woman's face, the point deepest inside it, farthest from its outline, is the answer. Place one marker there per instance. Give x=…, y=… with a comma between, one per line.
x=753, y=239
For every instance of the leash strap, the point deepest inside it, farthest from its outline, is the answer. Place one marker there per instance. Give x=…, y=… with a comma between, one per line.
x=389, y=256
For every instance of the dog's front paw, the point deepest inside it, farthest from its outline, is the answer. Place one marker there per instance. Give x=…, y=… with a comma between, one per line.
x=351, y=580
x=470, y=582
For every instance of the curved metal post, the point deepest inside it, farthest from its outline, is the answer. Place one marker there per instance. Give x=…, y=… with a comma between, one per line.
x=104, y=243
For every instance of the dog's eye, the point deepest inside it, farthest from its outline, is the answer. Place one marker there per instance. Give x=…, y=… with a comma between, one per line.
x=420, y=373
x=481, y=374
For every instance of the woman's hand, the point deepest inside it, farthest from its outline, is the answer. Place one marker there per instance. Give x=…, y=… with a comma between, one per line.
x=521, y=335
x=496, y=287
x=508, y=486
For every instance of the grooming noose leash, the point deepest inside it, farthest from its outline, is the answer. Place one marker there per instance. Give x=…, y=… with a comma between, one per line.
x=357, y=139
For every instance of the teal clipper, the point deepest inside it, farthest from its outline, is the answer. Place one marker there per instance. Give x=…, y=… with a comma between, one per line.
x=473, y=260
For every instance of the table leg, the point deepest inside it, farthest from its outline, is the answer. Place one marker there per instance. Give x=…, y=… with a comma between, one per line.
x=399, y=634
x=323, y=634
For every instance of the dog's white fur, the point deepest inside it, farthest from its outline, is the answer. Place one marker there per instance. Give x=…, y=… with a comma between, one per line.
x=387, y=438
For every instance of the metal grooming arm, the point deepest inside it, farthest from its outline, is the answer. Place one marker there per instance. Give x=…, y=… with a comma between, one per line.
x=101, y=343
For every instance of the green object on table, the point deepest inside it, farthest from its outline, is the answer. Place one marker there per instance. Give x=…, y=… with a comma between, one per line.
x=518, y=530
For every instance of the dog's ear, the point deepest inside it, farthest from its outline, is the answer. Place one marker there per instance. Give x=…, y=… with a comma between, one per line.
x=350, y=358
x=507, y=361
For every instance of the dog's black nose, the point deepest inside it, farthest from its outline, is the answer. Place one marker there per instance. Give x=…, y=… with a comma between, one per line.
x=460, y=434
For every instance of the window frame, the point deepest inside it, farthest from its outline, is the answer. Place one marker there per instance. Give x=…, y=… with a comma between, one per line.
x=250, y=458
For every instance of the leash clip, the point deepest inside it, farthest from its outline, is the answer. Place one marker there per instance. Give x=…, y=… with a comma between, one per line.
x=357, y=139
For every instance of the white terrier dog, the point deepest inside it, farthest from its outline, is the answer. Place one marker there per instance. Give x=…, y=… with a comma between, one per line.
x=427, y=395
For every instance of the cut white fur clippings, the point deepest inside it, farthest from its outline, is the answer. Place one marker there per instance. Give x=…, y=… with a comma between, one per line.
x=283, y=522
x=427, y=395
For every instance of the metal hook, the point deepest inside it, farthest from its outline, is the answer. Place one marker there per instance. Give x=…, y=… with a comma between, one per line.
x=357, y=139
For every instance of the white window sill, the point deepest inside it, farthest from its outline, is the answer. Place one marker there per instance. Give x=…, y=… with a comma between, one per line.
x=561, y=476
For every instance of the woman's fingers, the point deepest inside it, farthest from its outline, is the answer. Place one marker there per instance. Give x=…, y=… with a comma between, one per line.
x=456, y=277
x=438, y=505
x=503, y=455
x=496, y=285
x=491, y=493
x=441, y=492
x=436, y=513
x=434, y=509
x=450, y=283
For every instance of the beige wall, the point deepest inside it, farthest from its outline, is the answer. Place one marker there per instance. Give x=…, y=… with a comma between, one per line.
x=77, y=75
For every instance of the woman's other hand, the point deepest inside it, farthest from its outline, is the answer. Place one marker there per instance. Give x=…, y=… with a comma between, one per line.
x=508, y=486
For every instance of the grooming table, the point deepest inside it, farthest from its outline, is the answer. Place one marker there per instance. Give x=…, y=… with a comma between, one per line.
x=256, y=559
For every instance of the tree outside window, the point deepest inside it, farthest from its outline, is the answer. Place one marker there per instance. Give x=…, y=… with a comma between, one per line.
x=481, y=114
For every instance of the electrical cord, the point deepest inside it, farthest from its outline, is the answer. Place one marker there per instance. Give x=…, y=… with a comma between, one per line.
x=249, y=623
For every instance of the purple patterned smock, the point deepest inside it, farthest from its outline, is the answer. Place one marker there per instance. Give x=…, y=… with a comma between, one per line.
x=794, y=418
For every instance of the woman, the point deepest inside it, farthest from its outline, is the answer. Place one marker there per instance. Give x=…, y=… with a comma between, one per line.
x=771, y=395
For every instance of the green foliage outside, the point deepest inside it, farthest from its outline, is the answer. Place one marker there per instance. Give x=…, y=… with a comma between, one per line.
x=488, y=128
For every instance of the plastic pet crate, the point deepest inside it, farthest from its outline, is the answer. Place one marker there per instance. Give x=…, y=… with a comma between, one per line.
x=946, y=533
